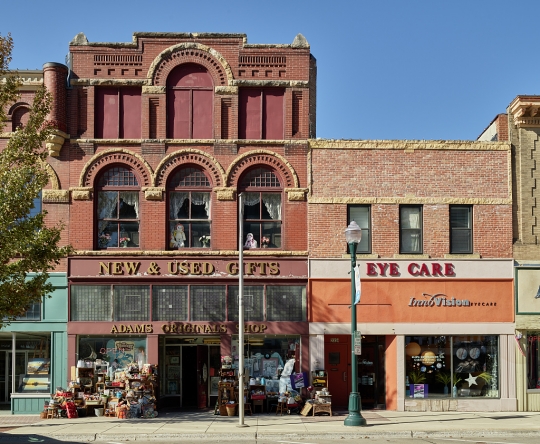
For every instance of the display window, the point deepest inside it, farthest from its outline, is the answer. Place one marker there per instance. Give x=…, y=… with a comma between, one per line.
x=119, y=352
x=32, y=359
x=452, y=366
x=533, y=360
x=265, y=357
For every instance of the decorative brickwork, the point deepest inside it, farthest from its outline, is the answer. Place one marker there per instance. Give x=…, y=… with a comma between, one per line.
x=203, y=55
x=109, y=157
x=197, y=157
x=55, y=196
x=262, y=157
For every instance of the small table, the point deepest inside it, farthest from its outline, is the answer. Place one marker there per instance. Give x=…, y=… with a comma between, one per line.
x=322, y=408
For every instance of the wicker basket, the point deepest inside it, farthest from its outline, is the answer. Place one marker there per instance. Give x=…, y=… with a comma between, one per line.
x=231, y=409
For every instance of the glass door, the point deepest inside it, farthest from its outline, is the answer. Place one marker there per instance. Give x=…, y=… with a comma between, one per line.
x=20, y=370
x=4, y=389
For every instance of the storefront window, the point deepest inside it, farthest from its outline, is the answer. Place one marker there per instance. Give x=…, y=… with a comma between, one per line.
x=266, y=357
x=533, y=360
x=253, y=303
x=451, y=366
x=131, y=302
x=211, y=303
x=123, y=350
x=32, y=362
x=286, y=303
x=170, y=303
x=208, y=303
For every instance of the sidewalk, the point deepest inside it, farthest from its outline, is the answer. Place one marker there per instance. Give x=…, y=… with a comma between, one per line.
x=204, y=424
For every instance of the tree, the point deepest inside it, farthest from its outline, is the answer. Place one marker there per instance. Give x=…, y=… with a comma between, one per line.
x=29, y=249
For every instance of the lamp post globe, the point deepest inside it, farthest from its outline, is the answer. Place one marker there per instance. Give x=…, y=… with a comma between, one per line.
x=353, y=236
x=353, y=233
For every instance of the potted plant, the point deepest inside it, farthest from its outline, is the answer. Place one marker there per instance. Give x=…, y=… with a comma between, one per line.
x=445, y=378
x=124, y=241
x=417, y=387
x=455, y=381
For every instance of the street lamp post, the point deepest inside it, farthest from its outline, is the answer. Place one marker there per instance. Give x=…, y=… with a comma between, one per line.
x=353, y=236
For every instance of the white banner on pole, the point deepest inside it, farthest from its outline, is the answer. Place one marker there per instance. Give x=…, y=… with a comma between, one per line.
x=358, y=284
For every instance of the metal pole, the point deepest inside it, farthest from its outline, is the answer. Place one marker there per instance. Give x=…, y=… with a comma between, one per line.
x=241, y=312
x=355, y=418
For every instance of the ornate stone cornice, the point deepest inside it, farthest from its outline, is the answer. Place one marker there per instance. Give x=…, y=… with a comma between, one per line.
x=154, y=89
x=409, y=145
x=278, y=83
x=81, y=193
x=225, y=193
x=227, y=90
x=55, y=196
x=296, y=193
x=526, y=111
x=109, y=82
x=153, y=193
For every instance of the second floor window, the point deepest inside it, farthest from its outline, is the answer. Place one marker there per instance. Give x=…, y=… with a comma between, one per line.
x=118, y=113
x=189, y=209
x=410, y=229
x=261, y=114
x=262, y=209
x=361, y=214
x=118, y=209
x=461, y=229
x=190, y=103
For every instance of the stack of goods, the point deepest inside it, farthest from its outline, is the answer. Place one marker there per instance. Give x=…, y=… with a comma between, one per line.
x=71, y=409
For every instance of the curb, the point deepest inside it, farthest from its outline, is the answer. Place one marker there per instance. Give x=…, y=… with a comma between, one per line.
x=144, y=437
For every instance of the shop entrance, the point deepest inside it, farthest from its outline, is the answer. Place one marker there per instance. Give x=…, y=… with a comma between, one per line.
x=6, y=373
x=187, y=373
x=370, y=373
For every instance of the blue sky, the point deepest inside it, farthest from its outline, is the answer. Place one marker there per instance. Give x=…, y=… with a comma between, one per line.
x=387, y=69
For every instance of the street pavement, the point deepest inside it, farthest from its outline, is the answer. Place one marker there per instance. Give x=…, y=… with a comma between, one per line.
x=204, y=425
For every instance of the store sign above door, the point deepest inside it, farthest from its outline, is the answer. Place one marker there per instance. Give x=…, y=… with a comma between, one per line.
x=413, y=269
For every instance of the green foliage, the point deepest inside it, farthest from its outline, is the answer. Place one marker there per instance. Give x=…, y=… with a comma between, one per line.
x=28, y=248
x=417, y=377
x=457, y=379
x=485, y=376
x=443, y=377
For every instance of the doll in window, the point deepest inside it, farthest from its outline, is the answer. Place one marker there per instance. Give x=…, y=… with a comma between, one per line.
x=250, y=241
x=178, y=237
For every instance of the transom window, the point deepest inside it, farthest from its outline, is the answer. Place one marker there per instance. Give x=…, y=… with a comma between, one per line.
x=206, y=303
x=118, y=209
x=189, y=209
x=262, y=209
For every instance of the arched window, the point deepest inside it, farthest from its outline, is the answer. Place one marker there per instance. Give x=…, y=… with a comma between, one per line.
x=190, y=103
x=20, y=117
x=118, y=209
x=262, y=196
x=189, y=209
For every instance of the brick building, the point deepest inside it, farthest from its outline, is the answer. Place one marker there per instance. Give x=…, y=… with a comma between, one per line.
x=436, y=269
x=165, y=132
